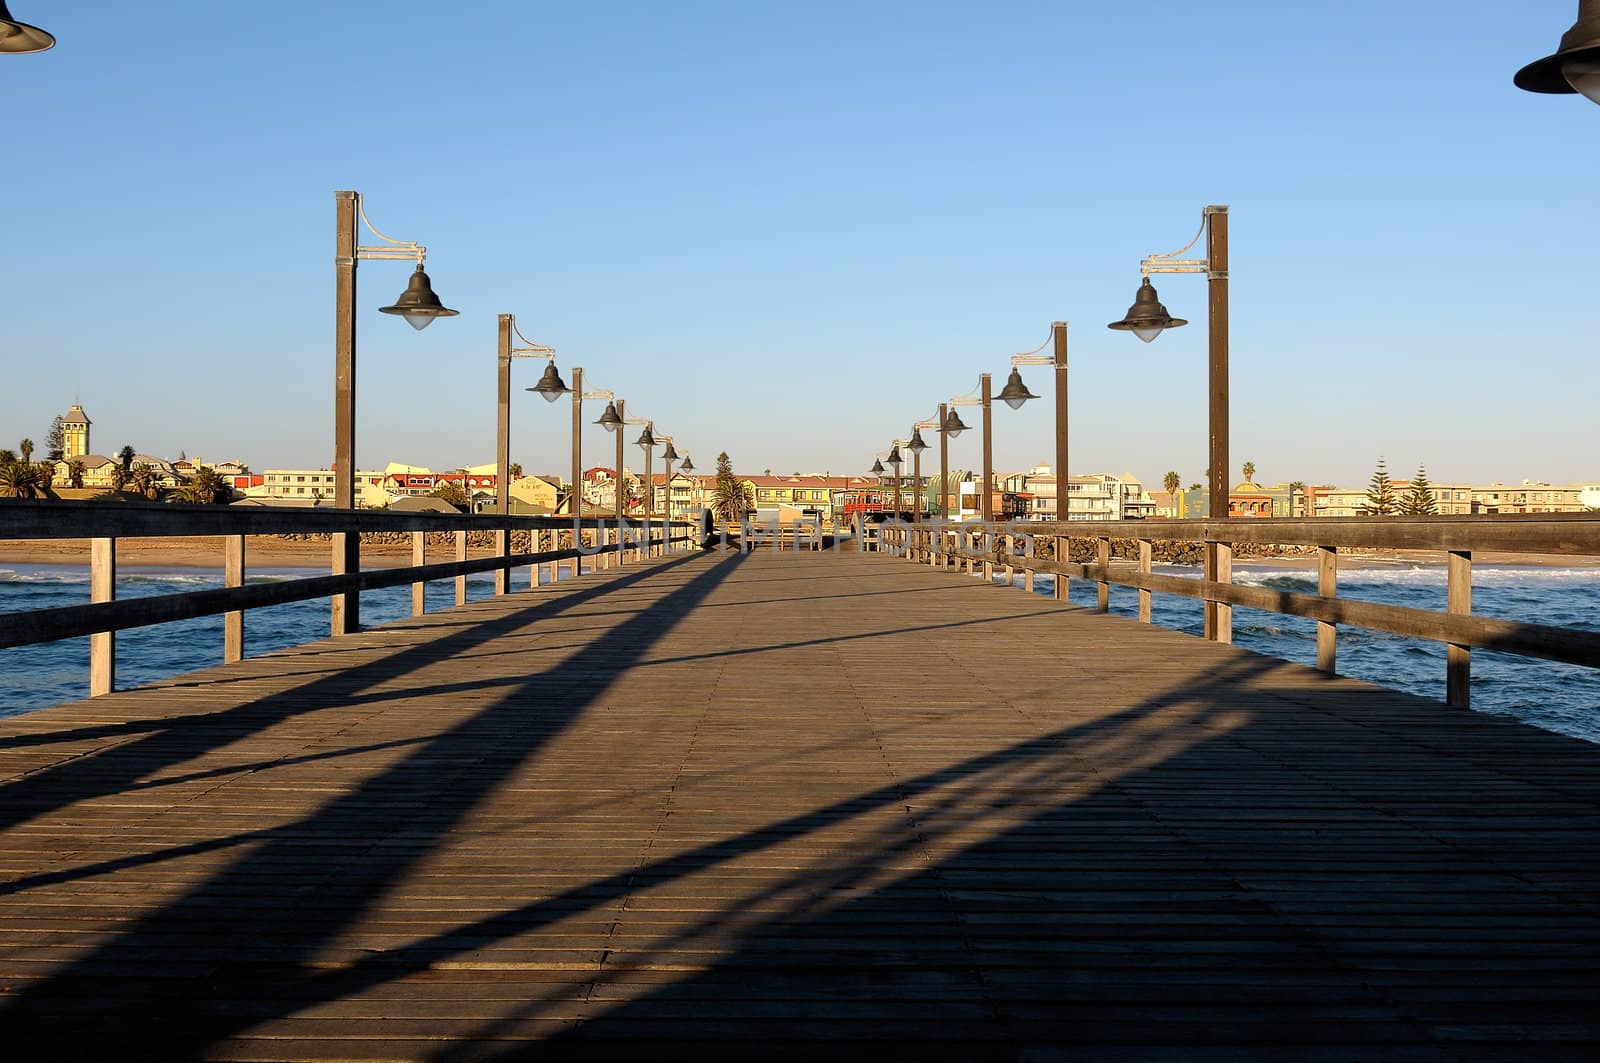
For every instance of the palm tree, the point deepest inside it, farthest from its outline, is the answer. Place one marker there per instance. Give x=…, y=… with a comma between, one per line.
x=206, y=488
x=1171, y=482
x=144, y=481
x=26, y=447
x=18, y=480
x=119, y=477
x=7, y=457
x=1250, y=472
x=126, y=456
x=75, y=472
x=514, y=470
x=45, y=475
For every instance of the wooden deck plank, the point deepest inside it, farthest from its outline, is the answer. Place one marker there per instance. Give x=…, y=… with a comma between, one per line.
x=812, y=801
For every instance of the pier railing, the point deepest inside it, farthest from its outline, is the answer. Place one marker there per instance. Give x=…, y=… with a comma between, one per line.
x=1014, y=547
x=554, y=540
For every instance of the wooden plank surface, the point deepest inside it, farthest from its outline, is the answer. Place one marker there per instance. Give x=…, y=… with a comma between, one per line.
x=797, y=805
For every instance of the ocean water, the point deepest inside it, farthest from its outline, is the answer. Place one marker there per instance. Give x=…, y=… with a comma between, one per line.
x=34, y=676
x=1558, y=697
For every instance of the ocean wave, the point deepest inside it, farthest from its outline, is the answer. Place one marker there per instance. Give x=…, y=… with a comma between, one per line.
x=138, y=579
x=8, y=575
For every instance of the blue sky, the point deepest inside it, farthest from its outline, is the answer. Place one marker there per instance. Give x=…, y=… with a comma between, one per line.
x=788, y=231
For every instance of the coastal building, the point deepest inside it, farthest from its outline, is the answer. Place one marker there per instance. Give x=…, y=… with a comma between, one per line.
x=1094, y=496
x=313, y=485
x=534, y=495
x=600, y=489
x=100, y=471
x=75, y=433
x=684, y=496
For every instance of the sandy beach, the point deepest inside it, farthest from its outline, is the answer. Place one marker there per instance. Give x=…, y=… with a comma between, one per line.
x=205, y=551
x=272, y=552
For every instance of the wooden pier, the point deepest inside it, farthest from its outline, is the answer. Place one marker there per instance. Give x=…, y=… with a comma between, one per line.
x=782, y=805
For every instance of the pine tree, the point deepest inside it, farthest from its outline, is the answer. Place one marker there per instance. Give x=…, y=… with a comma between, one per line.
x=1419, y=500
x=732, y=499
x=55, y=440
x=1380, y=494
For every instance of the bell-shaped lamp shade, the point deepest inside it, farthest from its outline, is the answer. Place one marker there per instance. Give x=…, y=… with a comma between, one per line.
x=1583, y=74
x=894, y=457
x=877, y=468
x=1147, y=318
x=1015, y=393
x=417, y=304
x=609, y=420
x=1575, y=66
x=18, y=37
x=646, y=438
x=669, y=454
x=687, y=466
x=550, y=385
x=954, y=425
x=916, y=446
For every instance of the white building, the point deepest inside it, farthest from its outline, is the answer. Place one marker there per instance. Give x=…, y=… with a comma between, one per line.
x=316, y=485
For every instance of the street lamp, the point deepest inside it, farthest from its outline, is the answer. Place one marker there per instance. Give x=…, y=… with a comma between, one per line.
x=1147, y=319
x=896, y=461
x=611, y=420
x=646, y=441
x=551, y=387
x=1058, y=360
x=1575, y=66
x=419, y=306
x=916, y=445
x=669, y=454
x=1015, y=393
x=17, y=38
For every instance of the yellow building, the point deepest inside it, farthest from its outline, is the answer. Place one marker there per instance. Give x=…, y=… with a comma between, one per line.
x=533, y=495
x=75, y=433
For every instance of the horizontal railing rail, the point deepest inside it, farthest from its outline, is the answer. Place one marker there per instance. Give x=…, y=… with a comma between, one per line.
x=26, y=519
x=1014, y=546
x=104, y=524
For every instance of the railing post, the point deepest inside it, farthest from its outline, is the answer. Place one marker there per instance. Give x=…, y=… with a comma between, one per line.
x=419, y=557
x=1102, y=594
x=990, y=542
x=1224, y=575
x=233, y=576
x=554, y=567
x=1063, y=546
x=461, y=555
x=1146, y=553
x=502, y=548
x=1008, y=546
x=102, y=588
x=1458, y=659
x=1327, y=587
x=1027, y=570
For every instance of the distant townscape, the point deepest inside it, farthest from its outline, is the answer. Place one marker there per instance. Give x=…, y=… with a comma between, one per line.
x=71, y=469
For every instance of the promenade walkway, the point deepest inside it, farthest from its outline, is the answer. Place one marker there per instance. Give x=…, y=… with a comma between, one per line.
x=790, y=806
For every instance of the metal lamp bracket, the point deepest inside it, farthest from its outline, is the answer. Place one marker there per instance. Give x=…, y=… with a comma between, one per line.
x=1171, y=263
x=392, y=249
